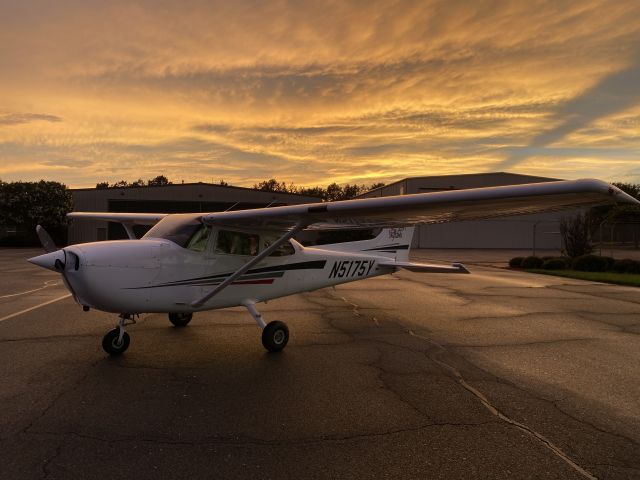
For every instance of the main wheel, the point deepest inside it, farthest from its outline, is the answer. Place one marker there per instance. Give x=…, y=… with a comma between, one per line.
x=111, y=344
x=275, y=336
x=180, y=319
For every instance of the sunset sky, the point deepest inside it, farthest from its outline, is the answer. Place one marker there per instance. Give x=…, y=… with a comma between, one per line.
x=315, y=92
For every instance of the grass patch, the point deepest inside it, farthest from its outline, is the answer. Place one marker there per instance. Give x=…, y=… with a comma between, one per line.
x=605, y=277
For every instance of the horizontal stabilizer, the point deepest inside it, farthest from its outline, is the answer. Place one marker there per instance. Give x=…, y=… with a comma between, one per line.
x=427, y=267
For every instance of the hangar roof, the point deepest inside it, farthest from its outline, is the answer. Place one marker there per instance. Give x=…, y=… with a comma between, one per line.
x=436, y=183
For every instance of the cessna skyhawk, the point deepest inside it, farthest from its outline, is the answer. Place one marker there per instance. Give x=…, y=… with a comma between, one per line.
x=193, y=262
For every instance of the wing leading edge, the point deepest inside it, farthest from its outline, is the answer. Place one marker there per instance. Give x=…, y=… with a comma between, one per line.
x=424, y=208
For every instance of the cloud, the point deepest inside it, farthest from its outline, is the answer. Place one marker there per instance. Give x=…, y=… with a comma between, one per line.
x=314, y=93
x=613, y=93
x=19, y=118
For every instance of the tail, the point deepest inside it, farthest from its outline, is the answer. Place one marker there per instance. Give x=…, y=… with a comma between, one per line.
x=394, y=243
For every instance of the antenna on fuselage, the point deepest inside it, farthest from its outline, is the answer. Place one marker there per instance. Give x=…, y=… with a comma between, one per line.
x=231, y=207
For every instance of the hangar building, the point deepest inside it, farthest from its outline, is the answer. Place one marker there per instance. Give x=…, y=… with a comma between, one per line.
x=173, y=198
x=522, y=232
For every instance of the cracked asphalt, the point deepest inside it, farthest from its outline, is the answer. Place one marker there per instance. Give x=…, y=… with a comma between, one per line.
x=498, y=374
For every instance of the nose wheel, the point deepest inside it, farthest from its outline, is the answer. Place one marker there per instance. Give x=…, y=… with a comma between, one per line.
x=116, y=341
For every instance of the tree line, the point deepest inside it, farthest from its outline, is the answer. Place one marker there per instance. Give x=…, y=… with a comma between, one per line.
x=330, y=193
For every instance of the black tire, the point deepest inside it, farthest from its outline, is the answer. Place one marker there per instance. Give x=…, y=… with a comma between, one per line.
x=275, y=336
x=180, y=319
x=110, y=342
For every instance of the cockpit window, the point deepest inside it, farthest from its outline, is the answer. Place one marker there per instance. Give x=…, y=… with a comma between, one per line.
x=237, y=243
x=179, y=229
x=198, y=241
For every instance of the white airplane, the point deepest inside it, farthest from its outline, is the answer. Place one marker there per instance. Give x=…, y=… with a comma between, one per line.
x=193, y=262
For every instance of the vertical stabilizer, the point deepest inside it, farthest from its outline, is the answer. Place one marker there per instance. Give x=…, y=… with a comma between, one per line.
x=391, y=242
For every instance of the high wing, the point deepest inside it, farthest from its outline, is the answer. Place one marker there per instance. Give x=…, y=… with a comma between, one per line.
x=422, y=208
x=129, y=218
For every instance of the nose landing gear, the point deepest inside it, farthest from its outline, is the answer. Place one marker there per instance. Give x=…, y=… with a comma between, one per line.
x=116, y=341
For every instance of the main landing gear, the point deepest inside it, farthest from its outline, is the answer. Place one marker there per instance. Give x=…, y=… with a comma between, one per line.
x=275, y=335
x=180, y=319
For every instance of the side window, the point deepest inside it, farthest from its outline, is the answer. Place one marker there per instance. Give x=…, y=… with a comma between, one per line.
x=198, y=241
x=283, y=250
x=237, y=243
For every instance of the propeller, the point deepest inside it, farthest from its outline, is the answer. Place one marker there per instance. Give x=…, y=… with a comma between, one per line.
x=46, y=240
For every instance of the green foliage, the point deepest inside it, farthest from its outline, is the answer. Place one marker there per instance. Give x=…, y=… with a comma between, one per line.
x=576, y=234
x=531, y=262
x=23, y=205
x=590, y=263
x=607, y=277
x=516, y=262
x=626, y=265
x=557, y=263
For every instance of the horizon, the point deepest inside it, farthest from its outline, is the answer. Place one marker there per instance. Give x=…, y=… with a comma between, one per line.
x=317, y=94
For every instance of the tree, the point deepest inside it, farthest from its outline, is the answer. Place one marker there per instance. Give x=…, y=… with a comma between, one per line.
x=632, y=189
x=334, y=192
x=24, y=205
x=158, y=181
x=271, y=185
x=576, y=234
x=101, y=185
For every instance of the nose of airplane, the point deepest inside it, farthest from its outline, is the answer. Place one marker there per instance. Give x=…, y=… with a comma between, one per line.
x=48, y=260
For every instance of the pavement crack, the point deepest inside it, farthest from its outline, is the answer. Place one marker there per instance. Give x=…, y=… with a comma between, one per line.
x=557, y=451
x=484, y=400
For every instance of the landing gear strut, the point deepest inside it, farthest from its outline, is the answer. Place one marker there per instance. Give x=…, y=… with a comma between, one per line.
x=116, y=341
x=180, y=319
x=275, y=335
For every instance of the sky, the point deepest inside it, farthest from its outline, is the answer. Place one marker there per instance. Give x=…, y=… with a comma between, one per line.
x=318, y=92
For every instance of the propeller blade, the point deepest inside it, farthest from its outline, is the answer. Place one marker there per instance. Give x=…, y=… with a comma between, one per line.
x=46, y=240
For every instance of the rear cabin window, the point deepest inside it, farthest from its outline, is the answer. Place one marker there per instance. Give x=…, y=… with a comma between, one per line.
x=283, y=250
x=237, y=243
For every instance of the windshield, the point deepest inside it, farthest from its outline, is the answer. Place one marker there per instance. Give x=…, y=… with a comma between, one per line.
x=179, y=229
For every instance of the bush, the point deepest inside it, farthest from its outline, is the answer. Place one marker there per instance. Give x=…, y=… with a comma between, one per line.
x=557, y=263
x=576, y=235
x=531, y=262
x=626, y=265
x=516, y=262
x=590, y=263
x=610, y=261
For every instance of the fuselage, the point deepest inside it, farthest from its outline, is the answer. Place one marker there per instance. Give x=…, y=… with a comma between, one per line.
x=158, y=275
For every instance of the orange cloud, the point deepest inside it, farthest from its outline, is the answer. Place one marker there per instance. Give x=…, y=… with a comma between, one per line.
x=317, y=92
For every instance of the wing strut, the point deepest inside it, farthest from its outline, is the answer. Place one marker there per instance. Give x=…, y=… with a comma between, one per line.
x=265, y=253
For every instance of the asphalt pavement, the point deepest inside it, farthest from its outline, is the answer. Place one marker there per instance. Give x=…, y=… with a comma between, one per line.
x=497, y=374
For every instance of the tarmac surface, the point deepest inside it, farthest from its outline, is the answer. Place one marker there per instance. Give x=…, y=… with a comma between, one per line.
x=498, y=374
